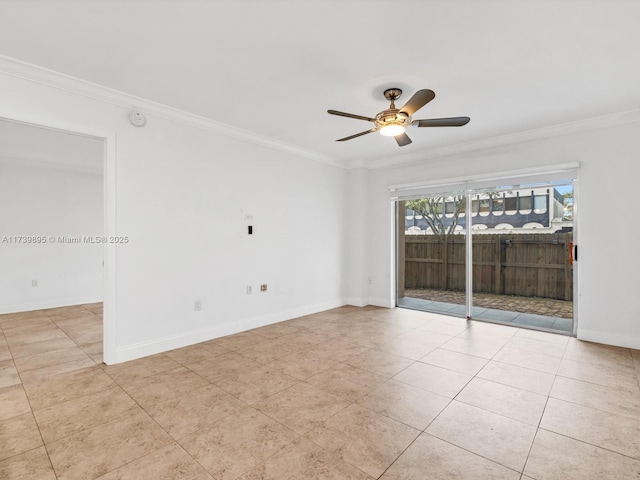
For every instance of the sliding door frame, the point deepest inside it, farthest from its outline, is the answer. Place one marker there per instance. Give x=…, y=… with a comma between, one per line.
x=401, y=193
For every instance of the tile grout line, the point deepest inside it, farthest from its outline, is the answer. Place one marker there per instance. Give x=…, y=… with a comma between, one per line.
x=524, y=467
x=635, y=459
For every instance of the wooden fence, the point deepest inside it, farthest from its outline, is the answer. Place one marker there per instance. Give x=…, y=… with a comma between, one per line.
x=530, y=265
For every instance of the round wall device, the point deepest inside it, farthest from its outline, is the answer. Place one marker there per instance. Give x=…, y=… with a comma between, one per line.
x=137, y=119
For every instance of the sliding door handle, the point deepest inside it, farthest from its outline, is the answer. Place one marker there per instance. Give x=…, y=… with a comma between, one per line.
x=573, y=253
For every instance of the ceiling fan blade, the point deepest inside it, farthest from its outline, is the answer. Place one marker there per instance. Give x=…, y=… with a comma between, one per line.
x=441, y=122
x=402, y=139
x=419, y=100
x=351, y=115
x=356, y=135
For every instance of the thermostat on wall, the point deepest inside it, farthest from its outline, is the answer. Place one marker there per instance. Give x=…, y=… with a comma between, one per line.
x=137, y=119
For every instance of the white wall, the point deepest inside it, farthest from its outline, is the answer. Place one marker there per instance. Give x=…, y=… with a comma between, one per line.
x=37, y=199
x=357, y=280
x=181, y=193
x=608, y=269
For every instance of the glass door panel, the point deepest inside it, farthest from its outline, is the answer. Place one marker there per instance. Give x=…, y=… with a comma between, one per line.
x=522, y=267
x=431, y=254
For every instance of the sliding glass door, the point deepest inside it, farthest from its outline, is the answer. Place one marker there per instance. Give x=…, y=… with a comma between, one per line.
x=497, y=253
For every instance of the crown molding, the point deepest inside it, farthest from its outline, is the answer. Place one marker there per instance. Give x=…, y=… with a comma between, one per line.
x=34, y=73
x=603, y=121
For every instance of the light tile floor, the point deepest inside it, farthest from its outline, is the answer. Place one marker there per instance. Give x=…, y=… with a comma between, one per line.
x=351, y=393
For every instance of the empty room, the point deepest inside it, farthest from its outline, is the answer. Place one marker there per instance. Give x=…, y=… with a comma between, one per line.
x=266, y=240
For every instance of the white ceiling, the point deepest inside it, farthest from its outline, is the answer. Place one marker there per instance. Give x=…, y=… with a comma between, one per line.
x=274, y=67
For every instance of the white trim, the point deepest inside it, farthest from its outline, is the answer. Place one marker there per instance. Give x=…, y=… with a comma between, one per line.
x=381, y=302
x=110, y=321
x=50, y=123
x=555, y=172
x=468, y=289
x=606, y=338
x=110, y=269
x=451, y=182
x=159, y=345
x=576, y=264
x=418, y=158
x=63, y=167
x=450, y=186
x=41, y=304
x=61, y=81
x=357, y=302
x=393, y=259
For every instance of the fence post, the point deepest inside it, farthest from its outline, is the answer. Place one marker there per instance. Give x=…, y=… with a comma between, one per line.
x=497, y=266
x=445, y=262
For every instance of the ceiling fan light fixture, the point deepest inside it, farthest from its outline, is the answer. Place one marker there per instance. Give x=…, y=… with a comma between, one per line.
x=392, y=130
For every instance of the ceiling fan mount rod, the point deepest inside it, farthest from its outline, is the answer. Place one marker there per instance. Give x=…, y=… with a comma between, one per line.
x=392, y=94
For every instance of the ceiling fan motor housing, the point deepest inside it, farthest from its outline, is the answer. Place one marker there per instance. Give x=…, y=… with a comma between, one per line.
x=392, y=116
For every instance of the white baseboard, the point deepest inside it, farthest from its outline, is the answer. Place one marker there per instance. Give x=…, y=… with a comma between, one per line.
x=357, y=302
x=615, y=339
x=159, y=345
x=381, y=302
x=363, y=302
x=41, y=304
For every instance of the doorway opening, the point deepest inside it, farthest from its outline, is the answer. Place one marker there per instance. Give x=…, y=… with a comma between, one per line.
x=53, y=253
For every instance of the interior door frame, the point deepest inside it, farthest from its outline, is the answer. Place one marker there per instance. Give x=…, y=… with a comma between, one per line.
x=109, y=211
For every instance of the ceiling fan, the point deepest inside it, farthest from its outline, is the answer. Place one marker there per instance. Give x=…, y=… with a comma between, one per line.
x=393, y=121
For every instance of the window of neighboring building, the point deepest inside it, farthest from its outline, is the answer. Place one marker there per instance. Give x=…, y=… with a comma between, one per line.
x=540, y=203
x=450, y=207
x=511, y=203
x=525, y=203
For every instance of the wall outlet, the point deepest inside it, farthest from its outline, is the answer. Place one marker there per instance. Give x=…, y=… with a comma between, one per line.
x=34, y=283
x=197, y=306
x=263, y=287
x=249, y=289
x=370, y=280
